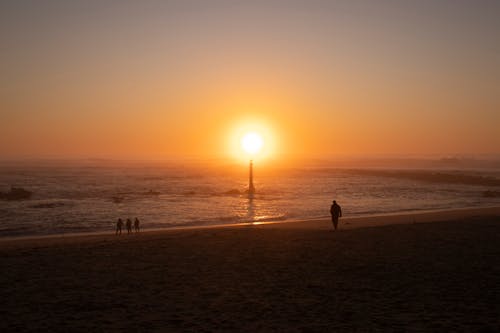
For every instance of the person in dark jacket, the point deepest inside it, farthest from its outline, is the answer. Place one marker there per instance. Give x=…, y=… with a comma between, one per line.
x=136, y=225
x=336, y=212
x=119, y=226
x=129, y=226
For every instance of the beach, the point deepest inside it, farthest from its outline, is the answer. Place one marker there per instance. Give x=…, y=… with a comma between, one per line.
x=434, y=271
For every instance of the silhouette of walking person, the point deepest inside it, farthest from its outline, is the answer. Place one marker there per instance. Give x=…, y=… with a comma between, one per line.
x=336, y=212
x=136, y=225
x=129, y=226
x=119, y=226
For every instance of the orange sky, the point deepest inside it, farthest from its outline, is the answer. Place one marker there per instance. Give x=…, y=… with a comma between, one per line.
x=160, y=80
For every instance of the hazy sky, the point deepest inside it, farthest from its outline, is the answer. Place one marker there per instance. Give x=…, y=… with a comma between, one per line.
x=157, y=79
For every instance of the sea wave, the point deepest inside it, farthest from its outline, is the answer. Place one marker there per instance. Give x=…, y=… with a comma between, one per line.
x=456, y=177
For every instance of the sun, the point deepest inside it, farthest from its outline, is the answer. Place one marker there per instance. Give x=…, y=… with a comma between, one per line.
x=252, y=143
x=250, y=138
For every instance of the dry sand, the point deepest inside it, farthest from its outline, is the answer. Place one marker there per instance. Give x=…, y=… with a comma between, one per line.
x=403, y=275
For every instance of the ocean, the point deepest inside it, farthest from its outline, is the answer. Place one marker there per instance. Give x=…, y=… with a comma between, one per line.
x=73, y=198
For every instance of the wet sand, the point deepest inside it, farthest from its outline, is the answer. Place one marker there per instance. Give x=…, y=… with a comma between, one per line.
x=416, y=273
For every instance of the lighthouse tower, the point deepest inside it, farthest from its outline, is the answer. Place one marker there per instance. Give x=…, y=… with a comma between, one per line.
x=251, y=188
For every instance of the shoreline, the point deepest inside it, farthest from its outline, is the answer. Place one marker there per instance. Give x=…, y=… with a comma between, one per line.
x=346, y=223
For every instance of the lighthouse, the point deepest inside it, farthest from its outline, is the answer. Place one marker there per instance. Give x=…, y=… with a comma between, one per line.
x=251, y=188
x=251, y=144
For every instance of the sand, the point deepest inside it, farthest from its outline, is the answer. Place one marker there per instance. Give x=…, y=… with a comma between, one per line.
x=416, y=273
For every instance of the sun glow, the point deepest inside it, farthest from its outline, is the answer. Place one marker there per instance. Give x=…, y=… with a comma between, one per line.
x=252, y=143
x=253, y=139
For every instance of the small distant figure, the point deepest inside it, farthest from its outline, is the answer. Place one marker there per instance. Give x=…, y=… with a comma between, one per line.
x=129, y=226
x=137, y=228
x=336, y=212
x=119, y=226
